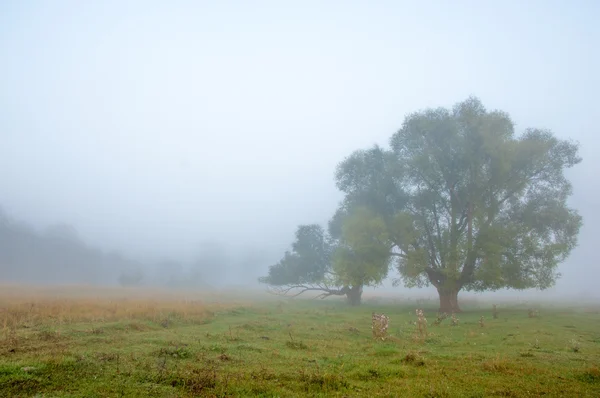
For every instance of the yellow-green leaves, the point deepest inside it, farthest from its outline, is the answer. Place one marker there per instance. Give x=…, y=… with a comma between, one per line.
x=364, y=251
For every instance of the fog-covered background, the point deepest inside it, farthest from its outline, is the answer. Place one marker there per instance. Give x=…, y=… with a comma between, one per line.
x=182, y=142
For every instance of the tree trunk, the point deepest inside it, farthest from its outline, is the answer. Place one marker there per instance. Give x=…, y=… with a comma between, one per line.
x=448, y=300
x=354, y=295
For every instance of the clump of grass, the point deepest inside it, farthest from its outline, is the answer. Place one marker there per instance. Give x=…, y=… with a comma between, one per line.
x=496, y=365
x=574, y=345
x=137, y=326
x=386, y=351
x=536, y=344
x=28, y=369
x=224, y=357
x=294, y=344
x=590, y=375
x=432, y=339
x=215, y=348
x=107, y=356
x=264, y=374
x=454, y=320
x=248, y=347
x=230, y=337
x=177, y=352
x=96, y=330
x=412, y=358
x=323, y=382
x=195, y=380
x=11, y=339
x=440, y=318
x=48, y=335
x=373, y=373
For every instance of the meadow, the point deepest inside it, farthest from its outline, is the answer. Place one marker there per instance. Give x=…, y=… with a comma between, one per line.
x=90, y=342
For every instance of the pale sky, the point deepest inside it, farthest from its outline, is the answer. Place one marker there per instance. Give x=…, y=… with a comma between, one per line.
x=152, y=125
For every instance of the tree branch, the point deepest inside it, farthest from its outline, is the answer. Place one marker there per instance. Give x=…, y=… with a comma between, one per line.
x=434, y=276
x=327, y=291
x=462, y=223
x=439, y=237
x=432, y=252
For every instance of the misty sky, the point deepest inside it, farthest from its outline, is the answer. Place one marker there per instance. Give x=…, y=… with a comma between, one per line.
x=152, y=126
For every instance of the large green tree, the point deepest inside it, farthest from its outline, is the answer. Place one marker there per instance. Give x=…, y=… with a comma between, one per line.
x=467, y=204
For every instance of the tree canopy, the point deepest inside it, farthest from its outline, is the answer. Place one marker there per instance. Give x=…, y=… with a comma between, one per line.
x=469, y=204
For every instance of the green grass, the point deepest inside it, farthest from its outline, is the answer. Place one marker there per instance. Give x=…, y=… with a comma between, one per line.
x=307, y=348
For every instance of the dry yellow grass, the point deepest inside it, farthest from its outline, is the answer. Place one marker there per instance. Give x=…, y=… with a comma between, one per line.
x=22, y=306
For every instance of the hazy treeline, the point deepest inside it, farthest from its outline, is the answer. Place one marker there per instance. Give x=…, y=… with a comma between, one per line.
x=57, y=254
x=215, y=264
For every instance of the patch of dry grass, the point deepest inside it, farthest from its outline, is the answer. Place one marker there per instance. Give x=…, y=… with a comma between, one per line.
x=27, y=307
x=497, y=365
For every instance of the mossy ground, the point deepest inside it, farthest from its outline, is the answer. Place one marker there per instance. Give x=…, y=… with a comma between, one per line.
x=300, y=348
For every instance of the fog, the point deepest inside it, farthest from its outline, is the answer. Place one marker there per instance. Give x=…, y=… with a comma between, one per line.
x=176, y=133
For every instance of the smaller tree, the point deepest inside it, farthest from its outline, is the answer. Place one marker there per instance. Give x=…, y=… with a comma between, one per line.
x=307, y=267
x=343, y=266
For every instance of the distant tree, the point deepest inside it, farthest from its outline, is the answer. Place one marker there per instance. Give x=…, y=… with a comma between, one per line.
x=64, y=232
x=467, y=204
x=131, y=277
x=248, y=263
x=169, y=273
x=211, y=265
x=56, y=255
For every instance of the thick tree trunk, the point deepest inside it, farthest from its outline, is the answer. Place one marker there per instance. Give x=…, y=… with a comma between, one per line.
x=354, y=295
x=448, y=300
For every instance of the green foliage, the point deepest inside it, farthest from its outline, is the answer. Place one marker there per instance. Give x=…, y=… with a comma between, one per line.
x=368, y=177
x=362, y=257
x=309, y=261
x=467, y=203
x=359, y=256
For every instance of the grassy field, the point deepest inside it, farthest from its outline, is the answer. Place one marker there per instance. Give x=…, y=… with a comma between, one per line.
x=81, y=342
